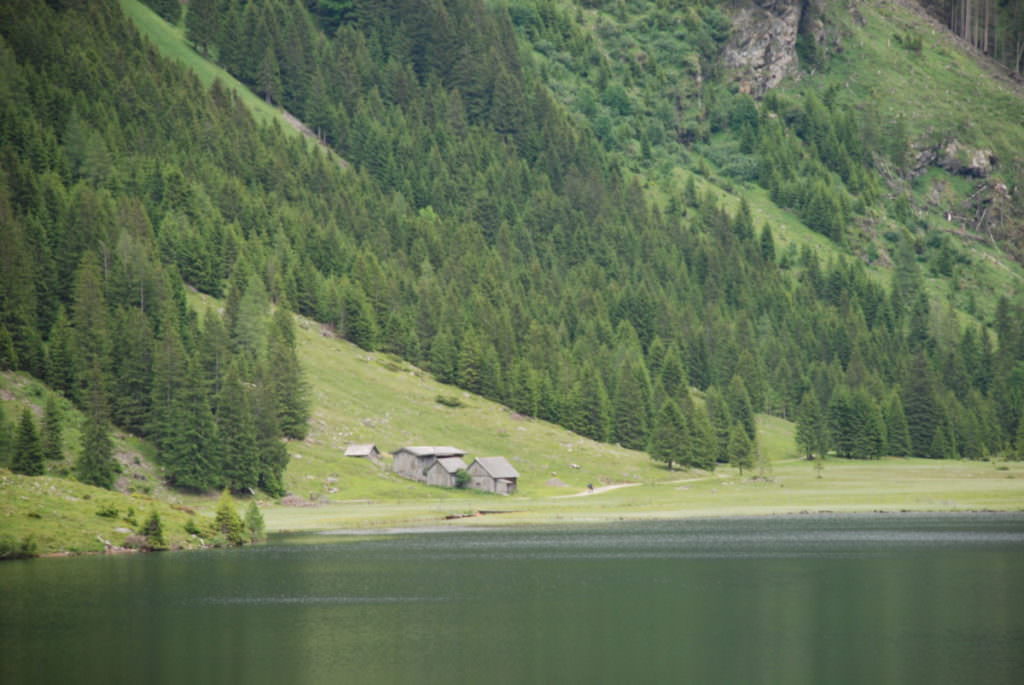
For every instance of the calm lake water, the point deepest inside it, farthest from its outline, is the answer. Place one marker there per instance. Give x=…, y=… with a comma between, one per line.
x=806, y=599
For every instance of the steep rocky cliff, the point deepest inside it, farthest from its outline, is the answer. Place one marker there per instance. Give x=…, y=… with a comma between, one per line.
x=766, y=38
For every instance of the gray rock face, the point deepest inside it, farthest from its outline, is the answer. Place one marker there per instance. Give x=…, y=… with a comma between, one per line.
x=762, y=48
x=957, y=158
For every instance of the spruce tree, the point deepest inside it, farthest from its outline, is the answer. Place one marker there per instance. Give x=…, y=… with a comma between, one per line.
x=254, y=522
x=740, y=448
x=237, y=430
x=811, y=426
x=632, y=392
x=28, y=453
x=740, y=407
x=898, y=433
x=153, y=529
x=51, y=436
x=920, y=406
x=721, y=422
x=670, y=439
x=291, y=394
x=227, y=522
x=96, y=464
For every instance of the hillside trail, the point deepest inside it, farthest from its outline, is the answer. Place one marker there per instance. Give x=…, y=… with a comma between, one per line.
x=597, y=491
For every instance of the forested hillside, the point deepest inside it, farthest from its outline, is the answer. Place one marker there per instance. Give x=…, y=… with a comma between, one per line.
x=514, y=220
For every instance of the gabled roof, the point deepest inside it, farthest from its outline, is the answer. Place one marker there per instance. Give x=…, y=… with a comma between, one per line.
x=427, y=451
x=497, y=467
x=360, y=450
x=451, y=464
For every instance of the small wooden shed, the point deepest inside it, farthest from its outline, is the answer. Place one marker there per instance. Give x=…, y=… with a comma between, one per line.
x=442, y=472
x=493, y=474
x=413, y=462
x=364, y=452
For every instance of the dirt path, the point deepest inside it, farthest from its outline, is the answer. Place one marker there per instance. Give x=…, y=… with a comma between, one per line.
x=597, y=491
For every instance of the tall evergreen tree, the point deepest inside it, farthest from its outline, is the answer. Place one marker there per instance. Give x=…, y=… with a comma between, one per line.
x=670, y=438
x=51, y=436
x=28, y=453
x=920, y=406
x=96, y=464
x=740, y=449
x=288, y=385
x=896, y=427
x=632, y=393
x=237, y=432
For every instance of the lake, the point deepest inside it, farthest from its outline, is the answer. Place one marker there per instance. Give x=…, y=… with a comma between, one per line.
x=795, y=599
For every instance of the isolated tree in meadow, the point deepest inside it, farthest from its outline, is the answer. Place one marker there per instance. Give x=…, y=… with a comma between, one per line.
x=28, y=453
x=153, y=529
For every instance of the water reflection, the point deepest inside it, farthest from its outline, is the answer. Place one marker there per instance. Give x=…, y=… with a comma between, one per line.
x=790, y=599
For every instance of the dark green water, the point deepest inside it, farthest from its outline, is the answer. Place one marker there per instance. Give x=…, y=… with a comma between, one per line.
x=853, y=599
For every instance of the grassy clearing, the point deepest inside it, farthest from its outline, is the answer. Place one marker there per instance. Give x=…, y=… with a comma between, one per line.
x=792, y=487
x=63, y=516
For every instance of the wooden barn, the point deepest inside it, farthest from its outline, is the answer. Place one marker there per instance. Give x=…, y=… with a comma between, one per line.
x=364, y=452
x=493, y=474
x=442, y=472
x=413, y=462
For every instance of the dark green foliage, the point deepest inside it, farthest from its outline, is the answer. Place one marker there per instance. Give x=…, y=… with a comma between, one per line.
x=811, y=427
x=153, y=530
x=96, y=464
x=897, y=430
x=11, y=548
x=740, y=409
x=670, y=438
x=236, y=430
x=740, y=448
x=462, y=479
x=632, y=399
x=168, y=9
x=28, y=453
x=287, y=383
x=921, y=407
x=51, y=435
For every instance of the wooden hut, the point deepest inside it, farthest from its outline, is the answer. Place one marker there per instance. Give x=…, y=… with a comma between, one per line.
x=493, y=474
x=364, y=452
x=442, y=472
x=413, y=462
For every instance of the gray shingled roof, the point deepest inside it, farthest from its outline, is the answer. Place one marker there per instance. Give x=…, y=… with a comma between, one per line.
x=359, y=450
x=451, y=464
x=497, y=467
x=426, y=451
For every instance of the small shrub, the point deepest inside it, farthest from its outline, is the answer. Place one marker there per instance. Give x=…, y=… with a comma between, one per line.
x=462, y=479
x=449, y=401
x=191, y=528
x=34, y=515
x=107, y=511
x=10, y=548
x=129, y=518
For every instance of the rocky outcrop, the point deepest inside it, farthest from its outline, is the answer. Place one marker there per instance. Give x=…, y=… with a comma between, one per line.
x=762, y=49
x=960, y=159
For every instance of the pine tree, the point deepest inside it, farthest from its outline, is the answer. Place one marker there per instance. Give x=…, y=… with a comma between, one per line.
x=670, y=439
x=191, y=451
x=254, y=522
x=201, y=24
x=5, y=440
x=898, y=433
x=273, y=455
x=96, y=464
x=740, y=407
x=920, y=407
x=721, y=422
x=227, y=522
x=811, y=426
x=28, y=453
x=60, y=369
x=237, y=431
x=51, y=435
x=632, y=393
x=288, y=385
x=740, y=448
x=153, y=529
